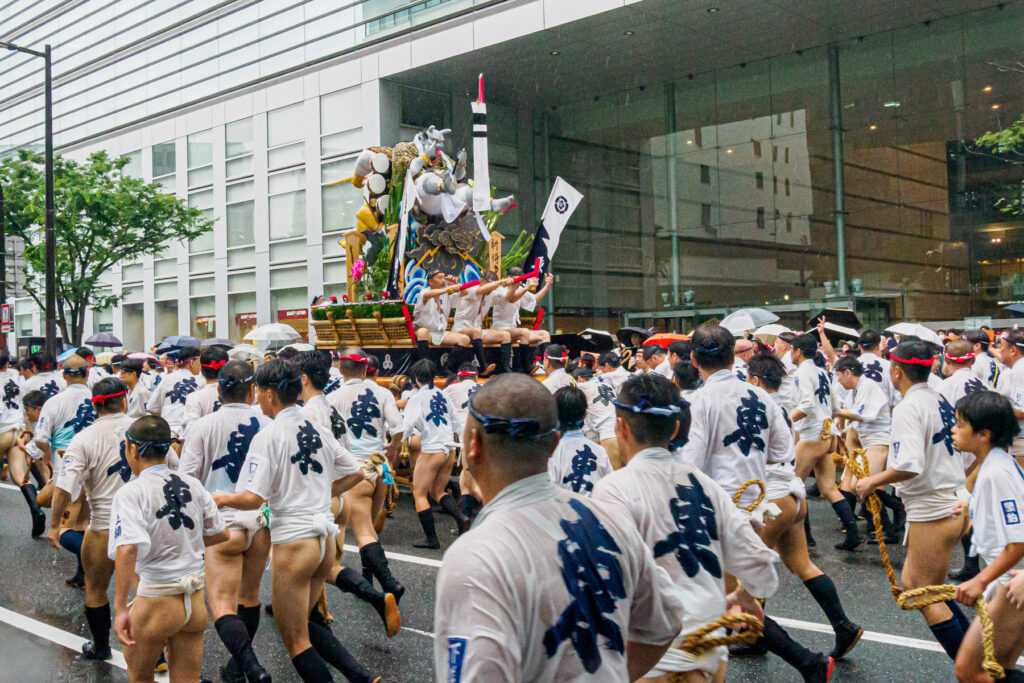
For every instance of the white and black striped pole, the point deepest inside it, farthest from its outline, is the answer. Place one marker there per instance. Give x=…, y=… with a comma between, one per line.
x=481, y=172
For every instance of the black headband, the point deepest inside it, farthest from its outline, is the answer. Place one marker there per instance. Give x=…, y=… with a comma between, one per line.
x=644, y=406
x=515, y=427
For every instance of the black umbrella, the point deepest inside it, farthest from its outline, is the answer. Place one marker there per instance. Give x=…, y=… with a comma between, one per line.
x=103, y=339
x=575, y=344
x=624, y=334
x=843, y=317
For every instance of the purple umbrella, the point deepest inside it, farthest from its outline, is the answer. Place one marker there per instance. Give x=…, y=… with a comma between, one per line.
x=103, y=339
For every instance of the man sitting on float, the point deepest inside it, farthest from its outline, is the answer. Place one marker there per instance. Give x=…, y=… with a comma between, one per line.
x=430, y=318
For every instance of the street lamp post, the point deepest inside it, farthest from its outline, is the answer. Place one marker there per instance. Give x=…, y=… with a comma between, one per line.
x=51, y=243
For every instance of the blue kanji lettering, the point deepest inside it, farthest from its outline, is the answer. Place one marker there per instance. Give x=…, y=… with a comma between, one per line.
x=694, y=516
x=337, y=423
x=180, y=391
x=309, y=443
x=593, y=576
x=50, y=389
x=822, y=392
x=873, y=371
x=332, y=386
x=365, y=409
x=584, y=464
x=238, y=448
x=973, y=386
x=176, y=495
x=605, y=394
x=945, y=435
x=438, y=410
x=11, y=392
x=751, y=420
x=120, y=467
x=469, y=395
x=84, y=416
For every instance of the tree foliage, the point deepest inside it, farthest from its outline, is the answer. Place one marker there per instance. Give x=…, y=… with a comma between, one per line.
x=1008, y=143
x=102, y=217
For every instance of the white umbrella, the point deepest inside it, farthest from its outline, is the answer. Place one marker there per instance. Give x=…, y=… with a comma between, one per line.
x=773, y=329
x=244, y=352
x=273, y=332
x=845, y=331
x=300, y=347
x=744, y=319
x=915, y=330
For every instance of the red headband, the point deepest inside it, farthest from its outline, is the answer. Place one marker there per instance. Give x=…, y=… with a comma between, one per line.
x=959, y=359
x=215, y=364
x=564, y=357
x=467, y=373
x=101, y=398
x=913, y=361
x=355, y=358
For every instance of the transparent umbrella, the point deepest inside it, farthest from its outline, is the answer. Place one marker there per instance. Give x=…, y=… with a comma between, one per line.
x=744, y=319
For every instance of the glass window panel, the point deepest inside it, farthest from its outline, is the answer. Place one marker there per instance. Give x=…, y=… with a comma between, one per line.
x=24, y=325
x=341, y=110
x=203, y=317
x=169, y=183
x=334, y=272
x=134, y=167
x=239, y=258
x=285, y=125
x=341, y=143
x=240, y=282
x=240, y=224
x=201, y=263
x=131, y=272
x=241, y=315
x=200, y=176
x=133, y=327
x=286, y=156
x=238, y=138
x=292, y=250
x=287, y=277
x=201, y=200
x=286, y=182
x=166, y=290
x=340, y=203
x=200, y=149
x=289, y=306
x=163, y=159
x=237, y=168
x=237, y=192
x=287, y=215
x=332, y=245
x=165, y=267
x=202, y=286
x=131, y=295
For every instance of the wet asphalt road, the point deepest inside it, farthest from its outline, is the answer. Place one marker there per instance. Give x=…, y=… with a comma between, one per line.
x=32, y=584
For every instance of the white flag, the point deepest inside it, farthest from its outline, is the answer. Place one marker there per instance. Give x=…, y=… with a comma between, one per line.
x=562, y=202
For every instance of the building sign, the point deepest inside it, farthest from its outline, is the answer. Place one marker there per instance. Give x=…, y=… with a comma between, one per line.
x=5, y=318
x=245, y=318
x=293, y=314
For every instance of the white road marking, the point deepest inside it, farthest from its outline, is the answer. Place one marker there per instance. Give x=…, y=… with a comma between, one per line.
x=54, y=635
x=399, y=557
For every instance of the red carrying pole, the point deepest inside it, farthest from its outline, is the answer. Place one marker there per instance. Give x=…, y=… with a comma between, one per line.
x=539, y=318
x=408, y=323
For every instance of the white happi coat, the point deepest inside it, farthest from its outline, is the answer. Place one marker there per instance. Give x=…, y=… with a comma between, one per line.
x=200, y=403
x=578, y=463
x=989, y=370
x=430, y=414
x=137, y=399
x=736, y=430
x=547, y=587
x=996, y=506
x=370, y=415
x=10, y=409
x=922, y=443
x=557, y=379
x=168, y=398
x=50, y=383
x=63, y=416
x=432, y=314
x=95, y=461
x=166, y=514
x=813, y=397
x=459, y=394
x=217, y=444
x=876, y=369
x=869, y=402
x=962, y=382
x=600, y=418
x=617, y=378
x=320, y=412
x=292, y=464
x=697, y=535
x=470, y=308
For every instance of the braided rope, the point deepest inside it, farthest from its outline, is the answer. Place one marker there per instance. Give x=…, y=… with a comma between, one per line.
x=699, y=642
x=321, y=607
x=743, y=487
x=919, y=598
x=826, y=429
x=391, y=495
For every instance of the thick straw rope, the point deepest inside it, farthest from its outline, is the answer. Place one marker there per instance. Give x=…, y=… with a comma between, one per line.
x=743, y=487
x=917, y=598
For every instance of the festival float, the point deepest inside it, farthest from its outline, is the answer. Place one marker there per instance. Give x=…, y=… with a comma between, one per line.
x=422, y=212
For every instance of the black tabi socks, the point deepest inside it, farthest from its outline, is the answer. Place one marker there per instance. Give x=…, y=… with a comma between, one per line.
x=422, y=349
x=427, y=522
x=950, y=634
x=374, y=560
x=98, y=619
x=845, y=514
x=478, y=351
x=505, y=352
x=810, y=664
x=38, y=517
x=251, y=617
x=824, y=592
x=309, y=665
x=333, y=652
x=450, y=507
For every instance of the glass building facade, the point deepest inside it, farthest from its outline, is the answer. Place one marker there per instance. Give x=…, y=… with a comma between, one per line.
x=707, y=144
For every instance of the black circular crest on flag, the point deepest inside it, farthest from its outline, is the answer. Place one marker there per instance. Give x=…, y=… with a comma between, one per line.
x=561, y=204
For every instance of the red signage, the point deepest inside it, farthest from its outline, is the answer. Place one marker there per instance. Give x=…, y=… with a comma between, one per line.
x=5, y=318
x=294, y=314
x=245, y=318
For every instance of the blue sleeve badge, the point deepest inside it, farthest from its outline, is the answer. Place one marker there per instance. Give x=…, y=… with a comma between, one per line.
x=456, y=656
x=1010, y=514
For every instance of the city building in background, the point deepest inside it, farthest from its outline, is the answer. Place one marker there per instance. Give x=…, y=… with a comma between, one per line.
x=704, y=135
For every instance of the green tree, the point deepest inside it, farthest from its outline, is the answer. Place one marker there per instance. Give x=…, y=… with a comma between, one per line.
x=102, y=217
x=1008, y=144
